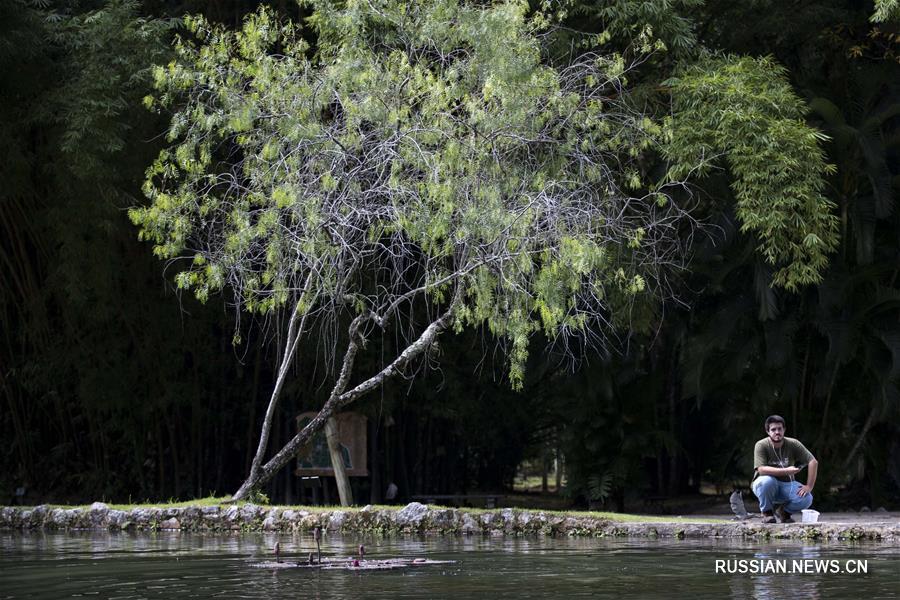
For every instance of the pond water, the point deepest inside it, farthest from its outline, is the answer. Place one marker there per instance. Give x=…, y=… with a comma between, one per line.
x=36, y=566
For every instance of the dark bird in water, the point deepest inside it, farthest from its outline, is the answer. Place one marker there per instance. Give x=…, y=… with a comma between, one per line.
x=317, y=535
x=277, y=551
x=361, y=553
x=311, y=560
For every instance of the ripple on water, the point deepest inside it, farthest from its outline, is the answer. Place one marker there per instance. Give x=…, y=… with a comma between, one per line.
x=131, y=566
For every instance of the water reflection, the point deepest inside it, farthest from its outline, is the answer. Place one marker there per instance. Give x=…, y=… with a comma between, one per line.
x=182, y=565
x=784, y=583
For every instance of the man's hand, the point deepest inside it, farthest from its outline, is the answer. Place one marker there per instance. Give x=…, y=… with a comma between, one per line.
x=791, y=471
x=804, y=490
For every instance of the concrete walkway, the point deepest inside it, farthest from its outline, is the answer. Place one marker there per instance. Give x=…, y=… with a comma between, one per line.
x=843, y=518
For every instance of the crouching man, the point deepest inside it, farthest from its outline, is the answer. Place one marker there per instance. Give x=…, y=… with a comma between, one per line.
x=776, y=460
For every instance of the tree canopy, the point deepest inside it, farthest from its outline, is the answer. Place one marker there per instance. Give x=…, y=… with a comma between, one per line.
x=415, y=154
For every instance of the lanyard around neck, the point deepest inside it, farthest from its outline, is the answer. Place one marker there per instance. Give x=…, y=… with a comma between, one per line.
x=779, y=455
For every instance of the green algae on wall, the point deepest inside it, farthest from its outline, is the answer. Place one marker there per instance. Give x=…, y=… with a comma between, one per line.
x=421, y=519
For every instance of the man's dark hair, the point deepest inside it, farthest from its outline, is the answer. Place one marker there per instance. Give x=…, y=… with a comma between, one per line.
x=774, y=419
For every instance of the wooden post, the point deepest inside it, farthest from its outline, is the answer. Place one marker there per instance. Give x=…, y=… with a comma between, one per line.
x=337, y=463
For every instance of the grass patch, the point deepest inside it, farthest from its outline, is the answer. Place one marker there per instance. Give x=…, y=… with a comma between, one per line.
x=208, y=501
x=218, y=501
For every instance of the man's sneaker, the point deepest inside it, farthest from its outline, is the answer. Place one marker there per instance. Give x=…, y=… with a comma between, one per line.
x=768, y=517
x=783, y=515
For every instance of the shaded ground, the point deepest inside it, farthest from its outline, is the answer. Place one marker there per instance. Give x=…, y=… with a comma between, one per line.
x=715, y=507
x=698, y=506
x=723, y=511
x=838, y=518
x=846, y=518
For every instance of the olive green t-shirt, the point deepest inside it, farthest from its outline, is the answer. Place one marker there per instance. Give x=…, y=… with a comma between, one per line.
x=791, y=454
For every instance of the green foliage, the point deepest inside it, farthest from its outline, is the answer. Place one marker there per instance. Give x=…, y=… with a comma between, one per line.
x=744, y=109
x=258, y=497
x=886, y=10
x=446, y=141
x=115, y=50
x=600, y=487
x=662, y=21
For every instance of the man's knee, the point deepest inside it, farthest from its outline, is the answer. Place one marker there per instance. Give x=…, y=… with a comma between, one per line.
x=796, y=502
x=764, y=485
x=804, y=501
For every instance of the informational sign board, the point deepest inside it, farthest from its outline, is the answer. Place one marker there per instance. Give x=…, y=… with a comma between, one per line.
x=314, y=460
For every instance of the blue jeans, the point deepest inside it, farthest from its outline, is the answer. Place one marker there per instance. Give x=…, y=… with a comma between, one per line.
x=772, y=492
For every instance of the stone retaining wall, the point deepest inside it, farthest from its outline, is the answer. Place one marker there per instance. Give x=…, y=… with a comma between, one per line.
x=416, y=518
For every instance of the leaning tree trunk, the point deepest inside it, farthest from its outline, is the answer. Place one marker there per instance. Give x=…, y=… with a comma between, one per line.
x=339, y=398
x=293, y=338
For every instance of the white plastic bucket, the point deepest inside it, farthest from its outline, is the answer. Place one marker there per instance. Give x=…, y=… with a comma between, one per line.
x=809, y=516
